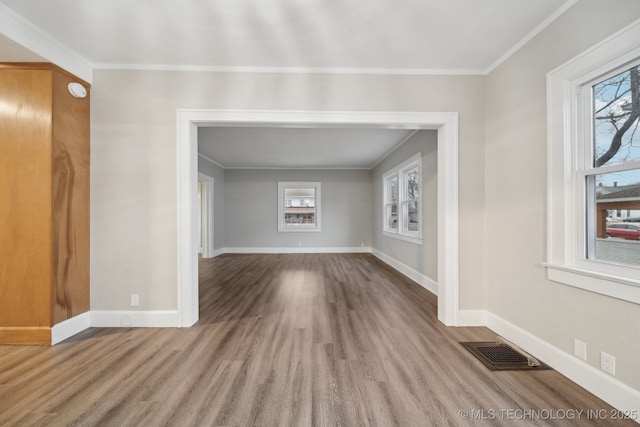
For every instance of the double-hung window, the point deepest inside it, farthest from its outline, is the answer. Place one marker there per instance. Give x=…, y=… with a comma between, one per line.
x=402, y=208
x=594, y=169
x=299, y=206
x=611, y=167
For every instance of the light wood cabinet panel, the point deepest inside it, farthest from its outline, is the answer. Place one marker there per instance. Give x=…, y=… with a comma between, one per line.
x=70, y=200
x=44, y=202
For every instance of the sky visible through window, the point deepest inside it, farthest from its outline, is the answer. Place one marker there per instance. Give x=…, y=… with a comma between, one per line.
x=616, y=117
x=613, y=108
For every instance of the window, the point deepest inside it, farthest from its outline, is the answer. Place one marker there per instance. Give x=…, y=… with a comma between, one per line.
x=594, y=169
x=391, y=203
x=612, y=167
x=402, y=191
x=299, y=206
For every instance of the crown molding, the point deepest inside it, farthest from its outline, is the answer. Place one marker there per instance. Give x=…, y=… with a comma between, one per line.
x=568, y=4
x=289, y=70
x=15, y=27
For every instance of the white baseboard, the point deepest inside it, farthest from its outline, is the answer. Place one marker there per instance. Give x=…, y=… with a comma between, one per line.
x=412, y=274
x=606, y=387
x=218, y=252
x=70, y=327
x=135, y=319
x=471, y=318
x=212, y=254
x=299, y=250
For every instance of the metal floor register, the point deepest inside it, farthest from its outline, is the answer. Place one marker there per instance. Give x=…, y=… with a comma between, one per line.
x=501, y=355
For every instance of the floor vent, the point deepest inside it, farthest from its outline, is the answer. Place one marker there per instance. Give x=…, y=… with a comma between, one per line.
x=502, y=356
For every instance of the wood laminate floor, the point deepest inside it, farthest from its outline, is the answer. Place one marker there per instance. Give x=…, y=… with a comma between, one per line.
x=287, y=340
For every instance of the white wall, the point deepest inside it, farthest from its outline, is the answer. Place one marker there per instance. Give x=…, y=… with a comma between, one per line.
x=516, y=199
x=219, y=223
x=422, y=258
x=133, y=170
x=251, y=201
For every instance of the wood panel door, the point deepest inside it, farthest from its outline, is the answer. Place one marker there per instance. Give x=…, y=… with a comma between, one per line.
x=25, y=199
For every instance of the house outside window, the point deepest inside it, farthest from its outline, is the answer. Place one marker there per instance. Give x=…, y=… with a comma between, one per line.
x=594, y=168
x=402, y=207
x=299, y=206
x=612, y=173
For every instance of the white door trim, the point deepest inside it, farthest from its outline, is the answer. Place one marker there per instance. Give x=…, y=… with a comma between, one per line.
x=189, y=120
x=207, y=214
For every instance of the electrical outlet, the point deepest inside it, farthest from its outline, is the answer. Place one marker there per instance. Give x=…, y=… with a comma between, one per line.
x=608, y=363
x=299, y=243
x=580, y=349
x=135, y=300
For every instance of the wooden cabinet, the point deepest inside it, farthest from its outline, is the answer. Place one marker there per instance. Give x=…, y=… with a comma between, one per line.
x=44, y=201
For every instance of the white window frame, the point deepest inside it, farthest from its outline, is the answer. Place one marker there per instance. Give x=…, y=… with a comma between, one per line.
x=569, y=151
x=305, y=228
x=387, y=203
x=399, y=172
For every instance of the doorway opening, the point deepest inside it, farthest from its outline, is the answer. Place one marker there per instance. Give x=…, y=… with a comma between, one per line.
x=188, y=122
x=205, y=215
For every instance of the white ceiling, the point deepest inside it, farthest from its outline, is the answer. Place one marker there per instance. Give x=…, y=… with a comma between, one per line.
x=352, y=36
x=390, y=35
x=304, y=148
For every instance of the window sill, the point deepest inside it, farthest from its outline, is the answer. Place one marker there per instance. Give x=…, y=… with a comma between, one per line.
x=298, y=230
x=605, y=284
x=411, y=239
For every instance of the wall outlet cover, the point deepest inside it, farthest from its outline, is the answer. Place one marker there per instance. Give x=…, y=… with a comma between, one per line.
x=580, y=349
x=608, y=363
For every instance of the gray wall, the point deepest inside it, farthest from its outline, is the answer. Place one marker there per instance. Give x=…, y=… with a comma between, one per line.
x=422, y=258
x=252, y=208
x=219, y=223
x=133, y=162
x=518, y=290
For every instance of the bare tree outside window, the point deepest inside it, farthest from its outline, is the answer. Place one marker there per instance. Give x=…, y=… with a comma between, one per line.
x=616, y=142
x=412, y=184
x=593, y=153
x=412, y=196
x=617, y=116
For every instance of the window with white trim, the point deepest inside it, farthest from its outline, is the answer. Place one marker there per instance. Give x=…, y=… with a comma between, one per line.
x=299, y=206
x=402, y=207
x=594, y=169
x=611, y=153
